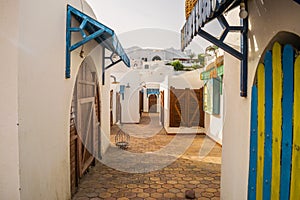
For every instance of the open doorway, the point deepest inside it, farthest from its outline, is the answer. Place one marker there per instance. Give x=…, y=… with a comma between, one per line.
x=84, y=124
x=152, y=103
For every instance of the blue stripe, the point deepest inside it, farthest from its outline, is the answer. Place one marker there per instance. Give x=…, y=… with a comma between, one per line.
x=287, y=120
x=268, y=127
x=68, y=45
x=253, y=147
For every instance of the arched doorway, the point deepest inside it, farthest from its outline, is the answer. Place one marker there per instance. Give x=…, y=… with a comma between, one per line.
x=141, y=102
x=156, y=58
x=275, y=129
x=84, y=123
x=152, y=103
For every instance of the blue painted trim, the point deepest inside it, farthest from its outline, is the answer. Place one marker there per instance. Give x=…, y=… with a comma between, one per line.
x=97, y=31
x=253, y=147
x=244, y=61
x=224, y=35
x=268, y=126
x=113, y=63
x=86, y=39
x=287, y=120
x=103, y=67
x=68, y=44
x=90, y=20
x=74, y=29
x=220, y=44
x=223, y=22
x=242, y=55
x=152, y=91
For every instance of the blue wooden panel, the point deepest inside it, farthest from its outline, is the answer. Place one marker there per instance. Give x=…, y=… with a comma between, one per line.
x=287, y=120
x=253, y=147
x=212, y=96
x=68, y=45
x=152, y=91
x=216, y=96
x=86, y=39
x=122, y=91
x=268, y=126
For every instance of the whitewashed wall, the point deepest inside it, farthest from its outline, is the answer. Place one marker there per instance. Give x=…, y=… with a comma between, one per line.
x=151, y=78
x=105, y=112
x=9, y=144
x=130, y=103
x=119, y=71
x=35, y=155
x=183, y=79
x=266, y=19
x=214, y=123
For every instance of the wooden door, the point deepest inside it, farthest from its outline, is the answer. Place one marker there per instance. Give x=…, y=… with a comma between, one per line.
x=195, y=108
x=85, y=124
x=141, y=102
x=162, y=105
x=274, y=165
x=74, y=171
x=177, y=103
x=118, y=107
x=186, y=107
x=152, y=103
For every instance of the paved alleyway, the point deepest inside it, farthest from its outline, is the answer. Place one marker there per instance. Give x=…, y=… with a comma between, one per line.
x=197, y=168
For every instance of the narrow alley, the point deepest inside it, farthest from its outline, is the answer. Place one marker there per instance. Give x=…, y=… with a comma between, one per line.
x=197, y=169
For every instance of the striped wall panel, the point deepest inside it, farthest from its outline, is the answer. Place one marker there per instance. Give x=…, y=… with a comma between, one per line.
x=287, y=120
x=274, y=168
x=253, y=145
x=295, y=180
x=268, y=126
x=260, y=129
x=277, y=119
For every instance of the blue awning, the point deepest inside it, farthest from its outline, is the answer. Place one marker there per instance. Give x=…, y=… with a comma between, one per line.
x=91, y=29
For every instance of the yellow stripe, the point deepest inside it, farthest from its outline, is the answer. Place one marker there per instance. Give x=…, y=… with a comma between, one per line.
x=295, y=181
x=277, y=120
x=261, y=130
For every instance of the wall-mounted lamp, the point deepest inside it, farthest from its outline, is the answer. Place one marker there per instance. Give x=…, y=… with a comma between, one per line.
x=81, y=54
x=115, y=80
x=127, y=86
x=243, y=12
x=143, y=84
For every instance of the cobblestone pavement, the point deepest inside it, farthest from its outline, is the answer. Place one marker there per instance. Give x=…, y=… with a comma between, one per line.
x=198, y=168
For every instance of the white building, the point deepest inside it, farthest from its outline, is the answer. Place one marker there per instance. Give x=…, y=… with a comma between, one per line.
x=152, y=54
x=213, y=101
x=260, y=137
x=149, y=84
x=38, y=89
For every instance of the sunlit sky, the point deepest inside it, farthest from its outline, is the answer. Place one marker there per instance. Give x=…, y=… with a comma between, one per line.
x=145, y=23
